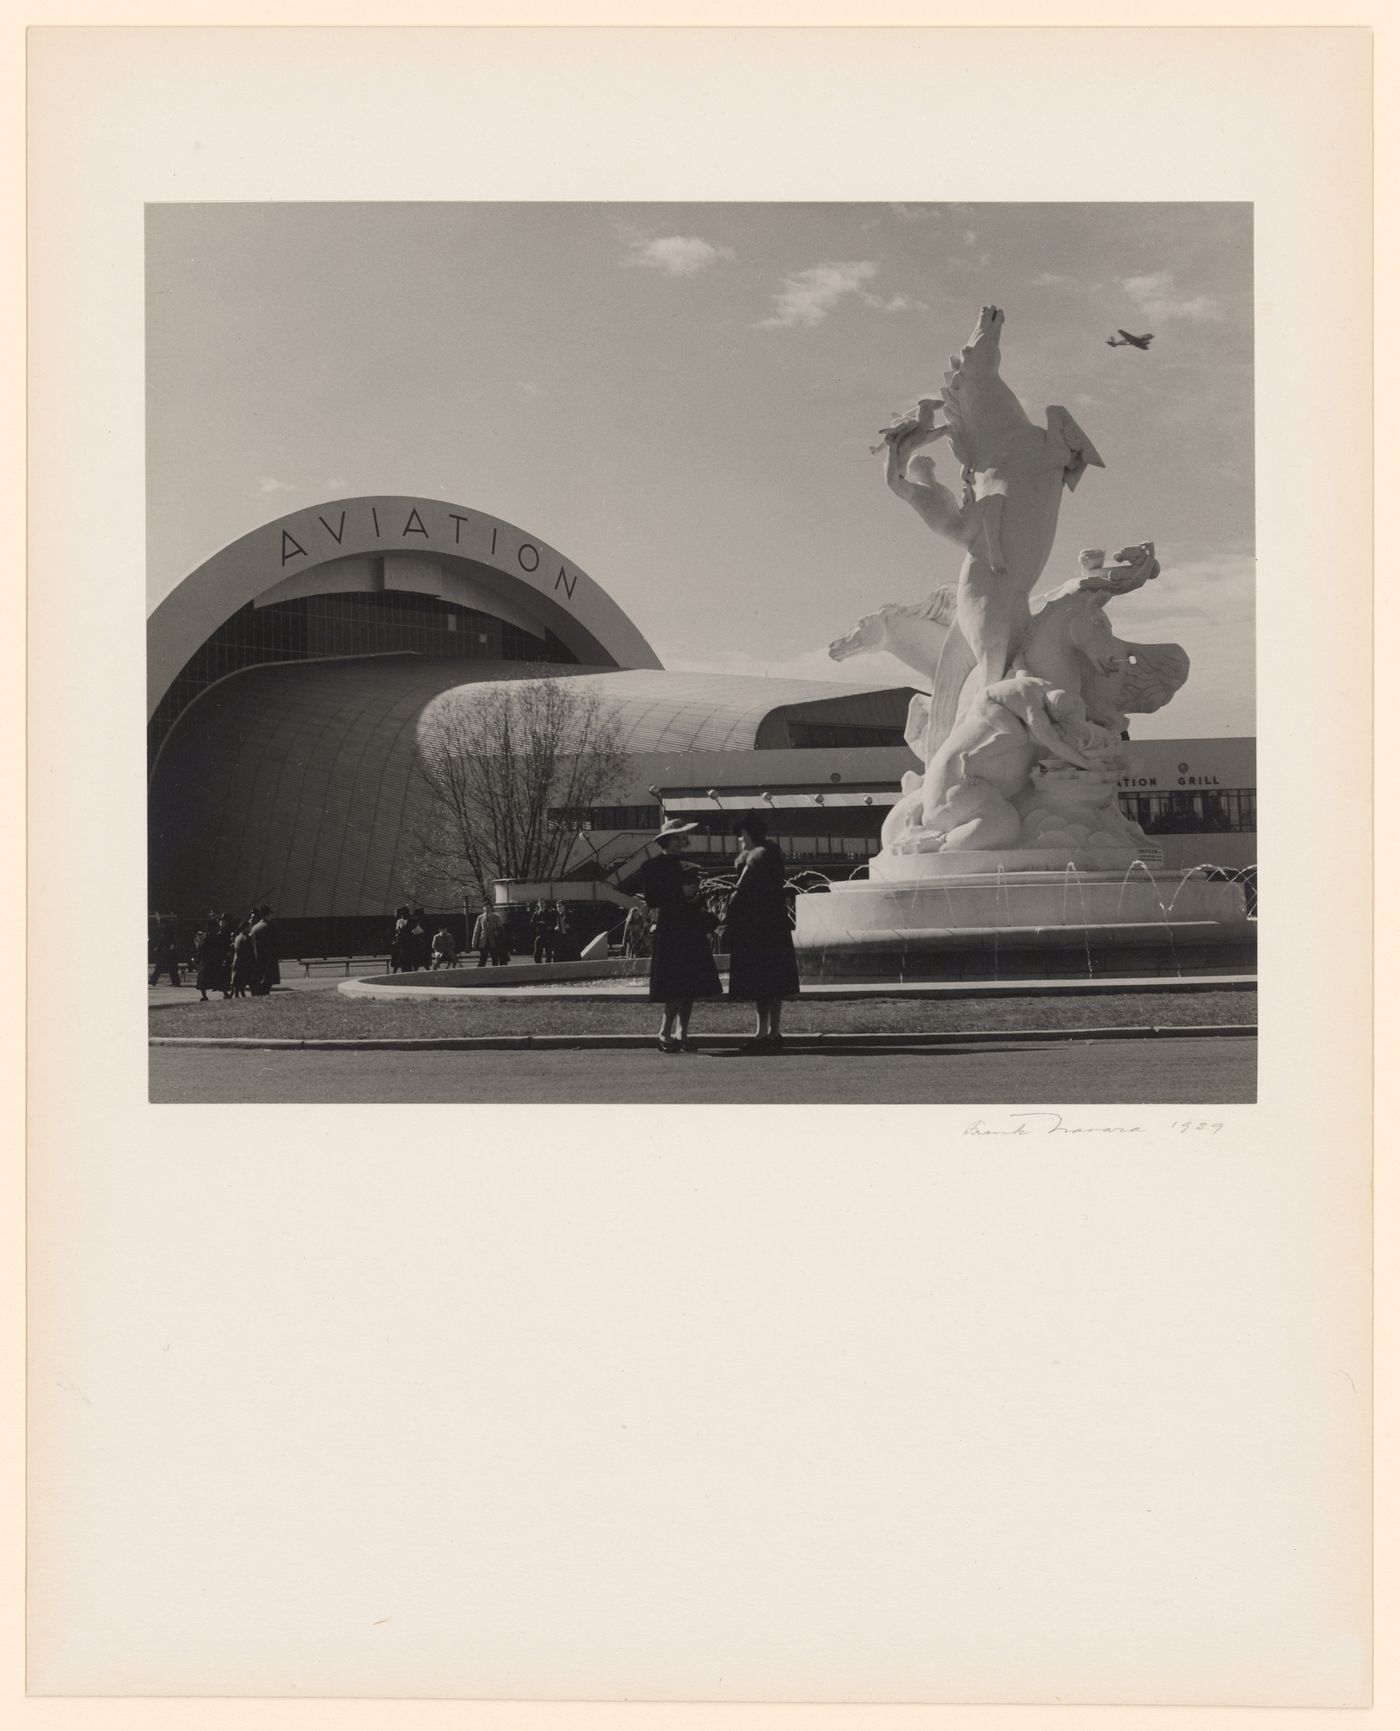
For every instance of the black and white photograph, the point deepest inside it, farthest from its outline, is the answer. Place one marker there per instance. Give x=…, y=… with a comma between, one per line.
x=729, y=621
x=596, y=651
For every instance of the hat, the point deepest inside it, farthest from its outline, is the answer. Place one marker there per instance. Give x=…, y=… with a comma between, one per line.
x=674, y=826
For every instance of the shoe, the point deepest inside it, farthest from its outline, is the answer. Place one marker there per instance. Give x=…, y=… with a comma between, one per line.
x=669, y=1045
x=689, y=1046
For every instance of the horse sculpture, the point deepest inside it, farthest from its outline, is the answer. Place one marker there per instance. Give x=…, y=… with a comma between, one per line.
x=1014, y=474
x=915, y=634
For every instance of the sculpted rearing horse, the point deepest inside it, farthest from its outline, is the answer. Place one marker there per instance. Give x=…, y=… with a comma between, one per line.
x=1015, y=473
x=916, y=634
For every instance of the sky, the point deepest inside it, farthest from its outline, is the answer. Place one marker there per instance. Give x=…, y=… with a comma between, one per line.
x=681, y=399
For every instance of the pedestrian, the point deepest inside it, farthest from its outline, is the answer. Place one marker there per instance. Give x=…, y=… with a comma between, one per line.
x=420, y=940
x=682, y=968
x=633, y=932
x=444, y=949
x=201, y=938
x=223, y=955
x=266, y=973
x=241, y=961
x=165, y=950
x=762, y=962
x=398, y=958
x=542, y=931
x=207, y=955
x=566, y=939
x=486, y=938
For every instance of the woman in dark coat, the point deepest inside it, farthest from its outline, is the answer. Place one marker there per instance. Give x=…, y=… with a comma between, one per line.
x=682, y=968
x=762, y=962
x=212, y=957
x=241, y=962
x=398, y=958
x=266, y=973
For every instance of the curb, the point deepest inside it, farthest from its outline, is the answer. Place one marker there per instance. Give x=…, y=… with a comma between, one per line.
x=912, y=1041
x=378, y=989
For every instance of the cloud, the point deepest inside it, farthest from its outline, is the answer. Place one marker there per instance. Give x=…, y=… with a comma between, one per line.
x=675, y=254
x=270, y=484
x=529, y=388
x=1156, y=294
x=915, y=212
x=807, y=296
x=336, y=482
x=1196, y=598
x=1053, y=279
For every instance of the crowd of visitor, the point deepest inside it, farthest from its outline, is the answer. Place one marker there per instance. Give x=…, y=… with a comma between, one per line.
x=231, y=958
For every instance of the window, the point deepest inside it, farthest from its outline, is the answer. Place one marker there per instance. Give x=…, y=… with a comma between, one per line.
x=817, y=735
x=647, y=817
x=1198, y=811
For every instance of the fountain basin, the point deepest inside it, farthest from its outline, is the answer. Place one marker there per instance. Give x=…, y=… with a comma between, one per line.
x=1024, y=924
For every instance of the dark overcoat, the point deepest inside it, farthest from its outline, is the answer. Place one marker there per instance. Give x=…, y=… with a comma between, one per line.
x=762, y=962
x=266, y=974
x=682, y=965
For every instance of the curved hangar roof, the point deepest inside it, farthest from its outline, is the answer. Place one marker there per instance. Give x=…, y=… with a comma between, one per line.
x=456, y=551
x=663, y=712
x=291, y=784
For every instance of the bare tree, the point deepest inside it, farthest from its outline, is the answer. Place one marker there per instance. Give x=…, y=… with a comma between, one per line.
x=502, y=773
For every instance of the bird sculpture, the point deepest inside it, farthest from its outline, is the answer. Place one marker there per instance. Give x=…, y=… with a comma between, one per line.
x=915, y=428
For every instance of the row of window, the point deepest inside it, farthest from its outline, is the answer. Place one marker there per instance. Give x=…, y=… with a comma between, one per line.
x=1198, y=812
x=834, y=735
x=610, y=816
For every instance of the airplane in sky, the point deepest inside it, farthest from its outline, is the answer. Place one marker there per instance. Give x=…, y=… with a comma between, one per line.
x=1125, y=338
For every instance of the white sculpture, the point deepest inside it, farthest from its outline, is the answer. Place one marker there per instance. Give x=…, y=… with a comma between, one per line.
x=1071, y=643
x=964, y=799
x=915, y=634
x=1014, y=473
x=1020, y=735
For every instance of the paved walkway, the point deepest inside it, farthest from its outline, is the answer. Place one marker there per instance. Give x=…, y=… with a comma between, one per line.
x=1090, y=1072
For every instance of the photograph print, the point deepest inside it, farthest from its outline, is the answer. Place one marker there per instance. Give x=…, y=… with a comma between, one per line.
x=779, y=653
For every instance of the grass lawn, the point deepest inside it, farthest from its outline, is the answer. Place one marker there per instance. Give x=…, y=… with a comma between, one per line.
x=331, y=1015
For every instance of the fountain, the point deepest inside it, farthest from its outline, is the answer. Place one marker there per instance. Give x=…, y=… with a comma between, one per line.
x=1020, y=735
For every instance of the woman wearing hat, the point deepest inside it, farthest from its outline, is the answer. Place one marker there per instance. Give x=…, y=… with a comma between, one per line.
x=682, y=967
x=762, y=962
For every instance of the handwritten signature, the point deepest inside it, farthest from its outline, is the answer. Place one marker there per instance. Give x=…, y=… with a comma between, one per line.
x=1046, y=1123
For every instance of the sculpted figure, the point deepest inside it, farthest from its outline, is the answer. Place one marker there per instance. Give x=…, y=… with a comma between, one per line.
x=1014, y=473
x=1065, y=805
x=916, y=634
x=965, y=797
x=1071, y=642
